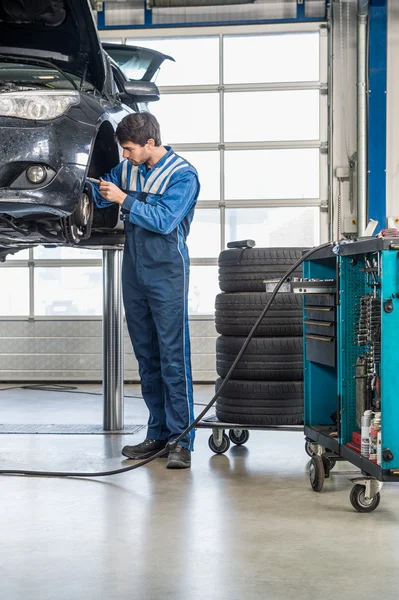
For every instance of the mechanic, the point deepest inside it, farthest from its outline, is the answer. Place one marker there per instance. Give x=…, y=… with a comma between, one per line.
x=157, y=191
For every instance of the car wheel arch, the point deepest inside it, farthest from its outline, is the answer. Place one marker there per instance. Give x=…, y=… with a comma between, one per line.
x=104, y=155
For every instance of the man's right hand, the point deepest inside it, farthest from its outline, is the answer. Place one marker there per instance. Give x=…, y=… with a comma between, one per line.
x=111, y=192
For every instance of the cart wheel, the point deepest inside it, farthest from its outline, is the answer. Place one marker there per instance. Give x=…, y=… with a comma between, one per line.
x=224, y=446
x=360, y=503
x=332, y=462
x=239, y=439
x=308, y=448
x=328, y=463
x=316, y=473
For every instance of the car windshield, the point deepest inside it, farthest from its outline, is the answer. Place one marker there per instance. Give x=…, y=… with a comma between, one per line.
x=28, y=75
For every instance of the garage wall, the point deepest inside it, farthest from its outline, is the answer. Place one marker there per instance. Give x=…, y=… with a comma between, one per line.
x=343, y=114
x=133, y=12
x=51, y=350
x=392, y=111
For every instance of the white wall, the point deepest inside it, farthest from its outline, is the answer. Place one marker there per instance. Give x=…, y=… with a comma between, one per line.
x=70, y=350
x=345, y=103
x=344, y=107
x=393, y=110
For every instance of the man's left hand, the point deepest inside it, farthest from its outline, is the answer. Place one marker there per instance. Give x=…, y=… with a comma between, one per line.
x=111, y=192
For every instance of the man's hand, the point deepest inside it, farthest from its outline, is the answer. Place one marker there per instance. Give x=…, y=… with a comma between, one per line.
x=111, y=192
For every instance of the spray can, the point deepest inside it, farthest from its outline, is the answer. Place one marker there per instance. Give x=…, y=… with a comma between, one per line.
x=375, y=427
x=365, y=433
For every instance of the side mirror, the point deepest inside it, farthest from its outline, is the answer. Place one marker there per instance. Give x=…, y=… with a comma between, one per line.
x=139, y=91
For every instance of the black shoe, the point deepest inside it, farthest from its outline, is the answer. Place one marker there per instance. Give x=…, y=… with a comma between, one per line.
x=145, y=449
x=179, y=458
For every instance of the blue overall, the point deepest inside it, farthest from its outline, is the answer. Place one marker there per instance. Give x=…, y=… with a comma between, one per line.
x=158, y=212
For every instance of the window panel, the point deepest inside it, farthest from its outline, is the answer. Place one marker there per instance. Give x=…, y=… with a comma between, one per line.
x=271, y=58
x=62, y=291
x=280, y=115
x=188, y=118
x=274, y=227
x=204, y=286
x=194, y=118
x=272, y=174
x=65, y=252
x=14, y=297
x=208, y=167
x=204, y=238
x=196, y=59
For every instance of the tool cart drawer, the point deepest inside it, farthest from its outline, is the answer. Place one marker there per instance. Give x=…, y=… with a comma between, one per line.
x=320, y=349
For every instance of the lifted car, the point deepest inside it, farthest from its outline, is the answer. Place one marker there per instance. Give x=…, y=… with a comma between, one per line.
x=62, y=94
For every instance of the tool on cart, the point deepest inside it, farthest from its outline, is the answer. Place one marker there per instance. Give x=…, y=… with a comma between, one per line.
x=352, y=365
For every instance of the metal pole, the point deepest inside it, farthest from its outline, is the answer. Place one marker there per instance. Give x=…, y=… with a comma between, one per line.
x=112, y=341
x=362, y=116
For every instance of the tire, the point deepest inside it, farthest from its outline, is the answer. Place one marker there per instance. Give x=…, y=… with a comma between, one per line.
x=225, y=445
x=265, y=420
x=359, y=502
x=260, y=402
x=273, y=396
x=246, y=270
x=270, y=359
x=240, y=439
x=316, y=473
x=239, y=411
x=236, y=314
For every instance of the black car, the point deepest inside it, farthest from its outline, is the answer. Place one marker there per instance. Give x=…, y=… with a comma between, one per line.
x=62, y=94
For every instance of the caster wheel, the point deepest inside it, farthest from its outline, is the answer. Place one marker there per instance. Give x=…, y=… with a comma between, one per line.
x=239, y=439
x=332, y=464
x=308, y=448
x=224, y=446
x=316, y=473
x=329, y=464
x=360, y=503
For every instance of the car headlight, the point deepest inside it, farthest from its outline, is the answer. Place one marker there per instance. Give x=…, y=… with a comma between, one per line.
x=37, y=106
x=36, y=174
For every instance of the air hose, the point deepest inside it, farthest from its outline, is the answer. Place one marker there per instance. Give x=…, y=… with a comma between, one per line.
x=171, y=445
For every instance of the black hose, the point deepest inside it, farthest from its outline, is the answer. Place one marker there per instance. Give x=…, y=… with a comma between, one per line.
x=171, y=445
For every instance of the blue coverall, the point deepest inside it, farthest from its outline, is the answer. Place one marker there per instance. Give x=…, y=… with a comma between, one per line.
x=158, y=212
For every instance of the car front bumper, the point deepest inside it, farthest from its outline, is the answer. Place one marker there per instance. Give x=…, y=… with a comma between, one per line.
x=57, y=198
x=61, y=146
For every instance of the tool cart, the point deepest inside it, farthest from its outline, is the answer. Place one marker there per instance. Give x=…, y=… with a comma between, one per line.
x=351, y=364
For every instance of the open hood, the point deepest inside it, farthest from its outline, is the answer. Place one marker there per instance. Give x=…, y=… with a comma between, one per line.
x=61, y=31
x=136, y=63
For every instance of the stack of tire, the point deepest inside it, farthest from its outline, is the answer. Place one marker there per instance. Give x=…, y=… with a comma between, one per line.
x=266, y=388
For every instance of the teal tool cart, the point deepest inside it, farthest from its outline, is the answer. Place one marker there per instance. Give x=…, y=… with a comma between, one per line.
x=351, y=354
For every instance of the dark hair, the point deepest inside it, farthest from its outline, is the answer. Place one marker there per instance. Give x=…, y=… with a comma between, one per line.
x=139, y=128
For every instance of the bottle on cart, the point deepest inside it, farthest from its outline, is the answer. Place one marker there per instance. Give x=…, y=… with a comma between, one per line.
x=365, y=433
x=379, y=448
x=375, y=427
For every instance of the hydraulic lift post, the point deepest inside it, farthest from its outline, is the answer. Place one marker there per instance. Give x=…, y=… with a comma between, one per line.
x=112, y=341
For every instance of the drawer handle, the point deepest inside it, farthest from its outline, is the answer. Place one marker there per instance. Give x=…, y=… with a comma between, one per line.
x=319, y=338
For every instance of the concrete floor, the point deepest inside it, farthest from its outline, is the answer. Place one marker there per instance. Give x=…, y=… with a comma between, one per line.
x=243, y=525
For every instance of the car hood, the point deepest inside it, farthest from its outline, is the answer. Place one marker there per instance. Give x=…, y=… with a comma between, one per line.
x=60, y=31
x=135, y=62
